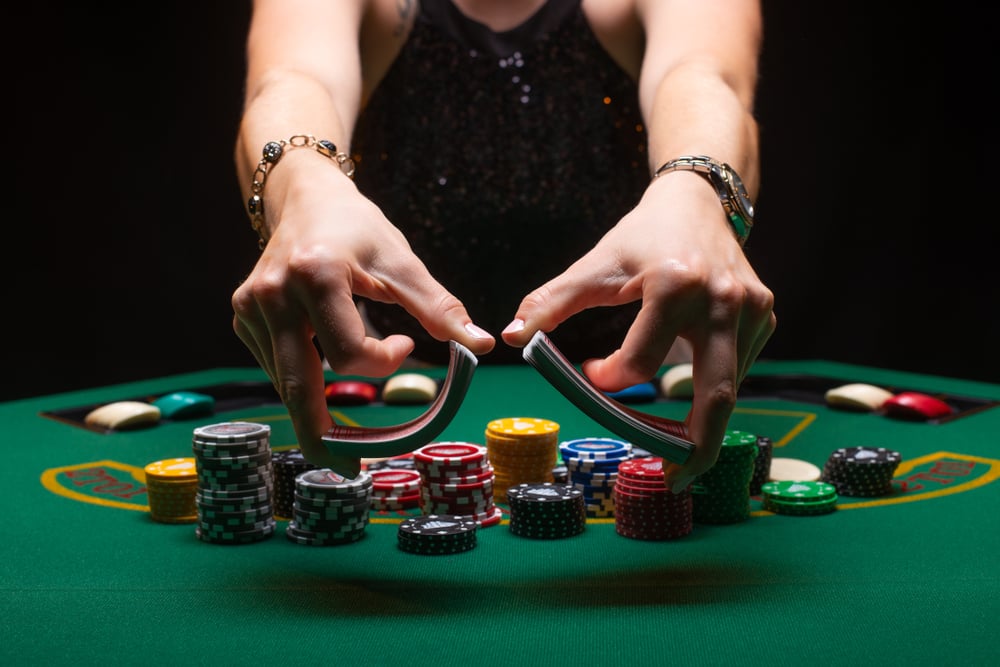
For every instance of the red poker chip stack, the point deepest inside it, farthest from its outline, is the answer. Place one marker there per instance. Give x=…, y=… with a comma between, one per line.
x=645, y=509
x=456, y=478
x=395, y=490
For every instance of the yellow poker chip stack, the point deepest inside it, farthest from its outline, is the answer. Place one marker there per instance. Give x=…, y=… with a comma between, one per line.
x=171, y=486
x=523, y=450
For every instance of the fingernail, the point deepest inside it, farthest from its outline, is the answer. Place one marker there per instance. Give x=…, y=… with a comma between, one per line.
x=515, y=326
x=682, y=483
x=476, y=332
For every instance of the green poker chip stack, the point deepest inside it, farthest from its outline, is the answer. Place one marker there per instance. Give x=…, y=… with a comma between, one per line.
x=799, y=498
x=721, y=495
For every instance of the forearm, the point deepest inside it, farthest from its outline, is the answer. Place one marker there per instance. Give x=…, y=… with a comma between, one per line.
x=698, y=82
x=303, y=78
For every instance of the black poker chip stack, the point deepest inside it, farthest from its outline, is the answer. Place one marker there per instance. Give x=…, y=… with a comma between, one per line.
x=761, y=464
x=862, y=471
x=437, y=534
x=546, y=510
x=329, y=509
x=235, y=482
x=288, y=464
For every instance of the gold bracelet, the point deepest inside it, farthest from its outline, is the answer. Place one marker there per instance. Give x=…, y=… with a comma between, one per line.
x=273, y=150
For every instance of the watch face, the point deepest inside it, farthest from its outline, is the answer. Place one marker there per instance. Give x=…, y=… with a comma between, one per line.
x=743, y=198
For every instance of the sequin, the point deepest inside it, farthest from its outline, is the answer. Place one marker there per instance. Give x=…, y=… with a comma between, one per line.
x=500, y=184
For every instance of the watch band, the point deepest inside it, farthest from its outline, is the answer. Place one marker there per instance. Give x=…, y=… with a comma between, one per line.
x=727, y=183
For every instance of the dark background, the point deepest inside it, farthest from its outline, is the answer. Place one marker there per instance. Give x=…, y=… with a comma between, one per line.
x=125, y=233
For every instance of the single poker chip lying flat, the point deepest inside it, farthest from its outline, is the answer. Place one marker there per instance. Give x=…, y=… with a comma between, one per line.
x=185, y=405
x=644, y=392
x=793, y=470
x=678, y=381
x=350, y=392
x=916, y=406
x=857, y=396
x=408, y=389
x=122, y=415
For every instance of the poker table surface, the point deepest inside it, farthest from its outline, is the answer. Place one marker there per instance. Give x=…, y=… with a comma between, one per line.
x=912, y=577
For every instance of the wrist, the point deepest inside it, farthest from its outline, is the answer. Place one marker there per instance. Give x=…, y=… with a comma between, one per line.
x=727, y=184
x=271, y=154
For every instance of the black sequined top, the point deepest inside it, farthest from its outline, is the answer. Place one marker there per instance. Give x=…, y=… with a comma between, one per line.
x=503, y=158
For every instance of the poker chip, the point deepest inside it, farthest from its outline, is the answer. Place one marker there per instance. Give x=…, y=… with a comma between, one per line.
x=721, y=495
x=235, y=482
x=329, y=509
x=522, y=450
x=456, y=479
x=857, y=396
x=123, y=415
x=792, y=470
x=861, y=471
x=409, y=389
x=807, y=498
x=395, y=489
x=184, y=405
x=171, y=486
x=761, y=464
x=437, y=534
x=592, y=465
x=350, y=392
x=645, y=508
x=678, y=381
x=401, y=462
x=288, y=464
x=644, y=392
x=915, y=406
x=546, y=511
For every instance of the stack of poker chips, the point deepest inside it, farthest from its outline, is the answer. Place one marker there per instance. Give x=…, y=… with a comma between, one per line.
x=546, y=510
x=395, y=490
x=761, y=464
x=329, y=509
x=592, y=464
x=645, y=509
x=862, y=471
x=721, y=495
x=799, y=498
x=437, y=534
x=171, y=486
x=401, y=462
x=235, y=482
x=523, y=450
x=456, y=478
x=288, y=464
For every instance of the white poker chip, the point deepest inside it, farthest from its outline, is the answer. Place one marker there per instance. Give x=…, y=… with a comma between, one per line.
x=678, y=381
x=857, y=396
x=122, y=415
x=409, y=388
x=793, y=470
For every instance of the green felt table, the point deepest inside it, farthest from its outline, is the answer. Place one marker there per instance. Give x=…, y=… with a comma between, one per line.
x=912, y=578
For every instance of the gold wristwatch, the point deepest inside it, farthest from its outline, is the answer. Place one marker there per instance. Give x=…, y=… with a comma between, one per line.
x=727, y=184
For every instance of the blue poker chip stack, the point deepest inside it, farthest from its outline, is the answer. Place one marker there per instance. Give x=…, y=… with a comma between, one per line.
x=592, y=467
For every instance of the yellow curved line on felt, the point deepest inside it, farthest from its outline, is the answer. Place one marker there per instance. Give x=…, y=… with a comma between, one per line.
x=49, y=481
x=807, y=418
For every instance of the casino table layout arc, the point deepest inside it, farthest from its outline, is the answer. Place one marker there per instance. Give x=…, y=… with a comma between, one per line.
x=912, y=577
